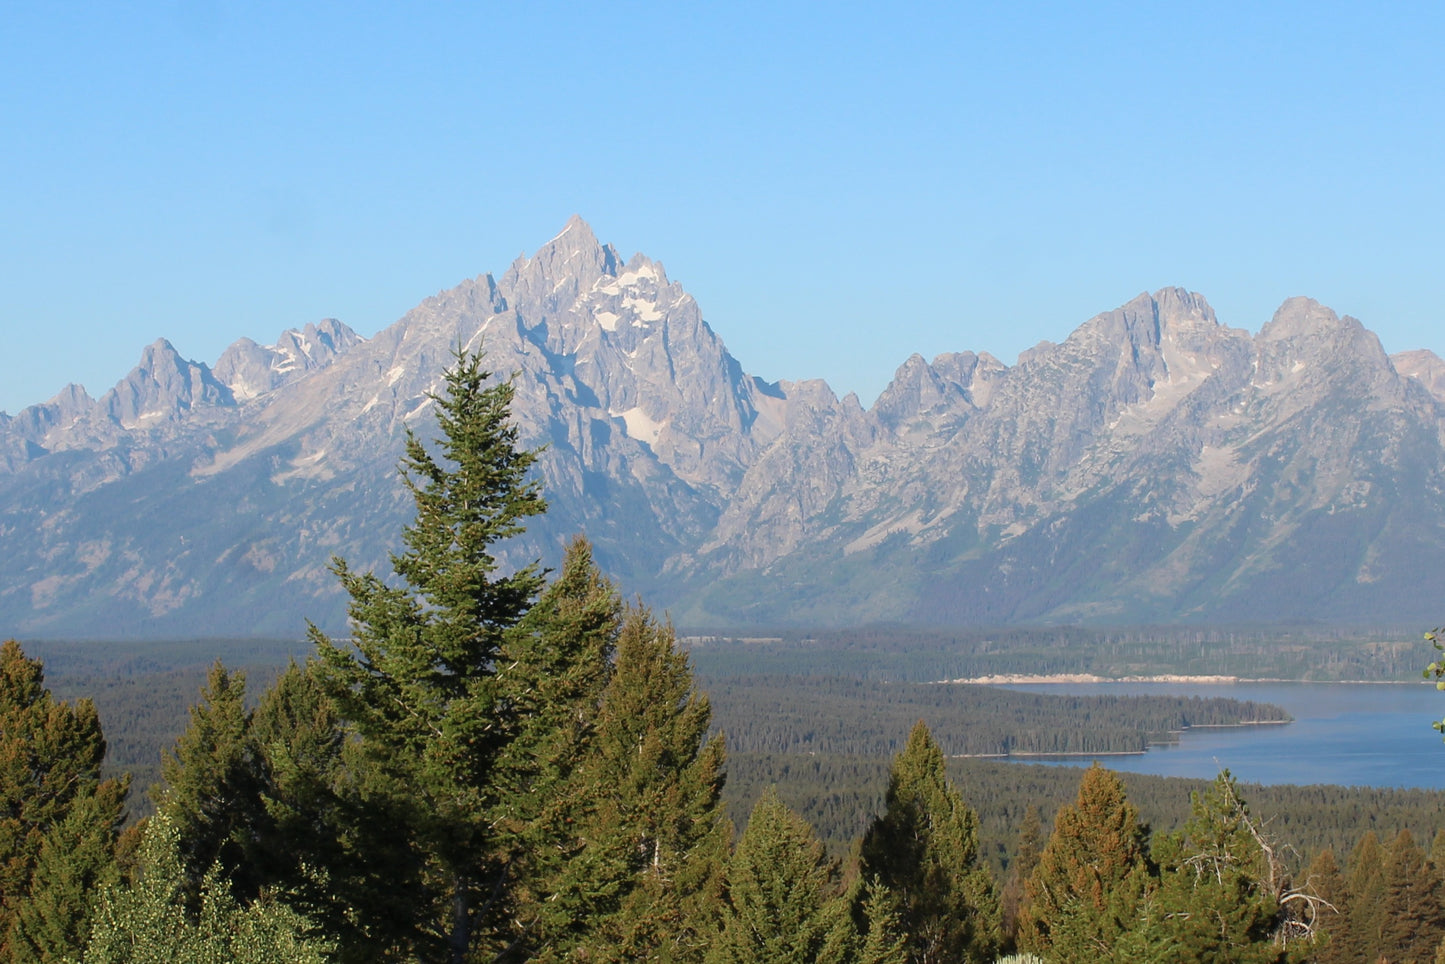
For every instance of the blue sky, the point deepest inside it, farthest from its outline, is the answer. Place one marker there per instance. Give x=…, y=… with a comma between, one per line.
x=839, y=185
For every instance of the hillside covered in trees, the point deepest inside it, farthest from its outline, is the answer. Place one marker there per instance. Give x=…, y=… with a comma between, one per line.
x=499, y=767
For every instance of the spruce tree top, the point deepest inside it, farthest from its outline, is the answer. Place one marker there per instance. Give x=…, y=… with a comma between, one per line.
x=422, y=677
x=478, y=496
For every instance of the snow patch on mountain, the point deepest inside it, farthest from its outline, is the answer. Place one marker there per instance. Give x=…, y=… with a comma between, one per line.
x=640, y=425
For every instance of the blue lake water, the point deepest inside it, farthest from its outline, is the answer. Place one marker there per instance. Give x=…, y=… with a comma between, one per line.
x=1361, y=734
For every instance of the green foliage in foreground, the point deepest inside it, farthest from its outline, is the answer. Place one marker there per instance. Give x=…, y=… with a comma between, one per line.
x=149, y=920
x=498, y=770
x=420, y=685
x=1388, y=903
x=1091, y=877
x=924, y=848
x=1220, y=889
x=782, y=903
x=59, y=820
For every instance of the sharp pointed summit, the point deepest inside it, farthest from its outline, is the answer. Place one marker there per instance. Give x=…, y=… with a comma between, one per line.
x=562, y=269
x=1153, y=465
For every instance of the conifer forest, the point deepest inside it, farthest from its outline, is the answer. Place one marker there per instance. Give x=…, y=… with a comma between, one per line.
x=504, y=764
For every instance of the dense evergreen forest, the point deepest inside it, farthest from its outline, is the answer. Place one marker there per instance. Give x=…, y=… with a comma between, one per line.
x=508, y=766
x=903, y=654
x=810, y=714
x=144, y=706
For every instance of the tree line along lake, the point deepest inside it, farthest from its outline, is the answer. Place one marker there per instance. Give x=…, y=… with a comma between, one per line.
x=1350, y=734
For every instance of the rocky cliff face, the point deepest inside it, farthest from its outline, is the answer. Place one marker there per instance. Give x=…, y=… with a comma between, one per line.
x=1154, y=465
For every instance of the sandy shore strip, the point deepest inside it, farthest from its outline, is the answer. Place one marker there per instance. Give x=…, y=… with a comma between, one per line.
x=1004, y=680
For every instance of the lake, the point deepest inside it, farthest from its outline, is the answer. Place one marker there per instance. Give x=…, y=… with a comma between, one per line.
x=1362, y=734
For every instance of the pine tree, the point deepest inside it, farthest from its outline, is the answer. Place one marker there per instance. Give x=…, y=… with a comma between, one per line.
x=649, y=840
x=1366, y=884
x=884, y=939
x=58, y=819
x=1215, y=902
x=1087, y=890
x=1020, y=868
x=77, y=860
x=782, y=901
x=315, y=817
x=1332, y=938
x=1414, y=922
x=299, y=744
x=924, y=849
x=1437, y=854
x=211, y=791
x=559, y=660
x=422, y=685
x=265, y=800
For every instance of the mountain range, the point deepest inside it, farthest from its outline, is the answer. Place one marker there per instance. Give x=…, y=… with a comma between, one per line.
x=1154, y=466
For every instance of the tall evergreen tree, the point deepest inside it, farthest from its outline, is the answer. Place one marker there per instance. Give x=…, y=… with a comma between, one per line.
x=58, y=819
x=607, y=796
x=662, y=779
x=273, y=801
x=1215, y=903
x=299, y=745
x=1086, y=892
x=559, y=659
x=924, y=849
x=783, y=904
x=422, y=684
x=211, y=792
x=77, y=860
x=1414, y=921
x=316, y=815
x=1365, y=881
x=1331, y=938
x=1020, y=869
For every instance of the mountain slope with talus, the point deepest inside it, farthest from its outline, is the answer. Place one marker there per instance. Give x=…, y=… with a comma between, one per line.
x=1155, y=465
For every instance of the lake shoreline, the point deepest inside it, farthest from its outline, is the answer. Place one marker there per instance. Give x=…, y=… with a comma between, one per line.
x=1154, y=744
x=1343, y=734
x=1022, y=679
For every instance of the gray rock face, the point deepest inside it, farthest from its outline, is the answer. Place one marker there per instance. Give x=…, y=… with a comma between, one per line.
x=247, y=369
x=1155, y=465
x=1425, y=367
x=163, y=387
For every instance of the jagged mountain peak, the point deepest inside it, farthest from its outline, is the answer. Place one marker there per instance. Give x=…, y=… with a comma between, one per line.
x=1180, y=304
x=249, y=370
x=562, y=269
x=1153, y=462
x=575, y=228
x=72, y=399
x=1149, y=319
x=161, y=350
x=162, y=387
x=1425, y=367
x=1301, y=316
x=921, y=390
x=1306, y=337
x=33, y=426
